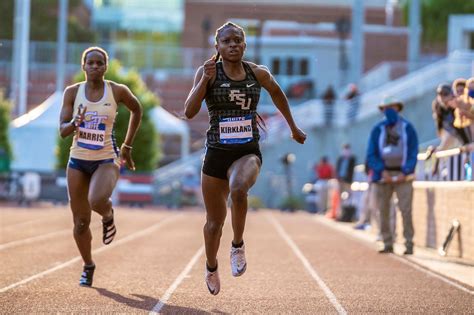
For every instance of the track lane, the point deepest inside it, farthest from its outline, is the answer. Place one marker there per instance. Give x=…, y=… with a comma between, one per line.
x=365, y=281
x=23, y=261
x=274, y=283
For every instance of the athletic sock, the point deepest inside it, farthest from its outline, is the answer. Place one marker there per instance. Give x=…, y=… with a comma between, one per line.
x=211, y=269
x=238, y=245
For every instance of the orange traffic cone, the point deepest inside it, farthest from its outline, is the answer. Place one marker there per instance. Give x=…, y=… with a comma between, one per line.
x=335, y=201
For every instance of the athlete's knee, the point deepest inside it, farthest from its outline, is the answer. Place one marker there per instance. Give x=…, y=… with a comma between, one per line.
x=238, y=194
x=81, y=225
x=213, y=228
x=98, y=203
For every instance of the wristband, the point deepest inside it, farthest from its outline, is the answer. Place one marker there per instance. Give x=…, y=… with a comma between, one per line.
x=127, y=146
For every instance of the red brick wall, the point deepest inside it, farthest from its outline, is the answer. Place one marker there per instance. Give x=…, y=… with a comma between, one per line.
x=219, y=13
x=378, y=47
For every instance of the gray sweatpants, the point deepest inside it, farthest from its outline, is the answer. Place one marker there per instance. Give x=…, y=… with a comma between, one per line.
x=404, y=191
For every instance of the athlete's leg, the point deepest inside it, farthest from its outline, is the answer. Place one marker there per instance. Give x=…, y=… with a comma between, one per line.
x=242, y=175
x=215, y=192
x=102, y=185
x=78, y=188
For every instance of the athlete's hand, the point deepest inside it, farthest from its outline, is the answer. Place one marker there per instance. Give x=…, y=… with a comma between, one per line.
x=126, y=156
x=79, y=118
x=298, y=135
x=209, y=68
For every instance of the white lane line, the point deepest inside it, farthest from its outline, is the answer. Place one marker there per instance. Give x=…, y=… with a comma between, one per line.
x=124, y=240
x=432, y=274
x=331, y=297
x=164, y=299
x=365, y=240
x=34, y=239
x=38, y=238
x=16, y=225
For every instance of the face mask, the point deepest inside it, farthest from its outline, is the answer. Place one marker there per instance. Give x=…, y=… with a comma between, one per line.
x=471, y=93
x=391, y=115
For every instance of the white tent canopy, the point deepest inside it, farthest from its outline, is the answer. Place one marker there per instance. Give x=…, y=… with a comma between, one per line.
x=167, y=124
x=34, y=135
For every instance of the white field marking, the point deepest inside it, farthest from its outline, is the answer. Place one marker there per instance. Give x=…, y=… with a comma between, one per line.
x=124, y=240
x=37, y=238
x=331, y=297
x=16, y=225
x=157, y=308
x=363, y=239
x=432, y=274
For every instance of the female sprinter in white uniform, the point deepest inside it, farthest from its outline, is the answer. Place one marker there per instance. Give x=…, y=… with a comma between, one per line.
x=231, y=89
x=88, y=112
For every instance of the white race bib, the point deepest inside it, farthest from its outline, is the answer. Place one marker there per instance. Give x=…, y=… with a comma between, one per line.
x=92, y=139
x=234, y=130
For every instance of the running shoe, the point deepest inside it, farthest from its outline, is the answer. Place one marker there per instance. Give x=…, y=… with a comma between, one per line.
x=213, y=282
x=87, y=275
x=238, y=263
x=108, y=230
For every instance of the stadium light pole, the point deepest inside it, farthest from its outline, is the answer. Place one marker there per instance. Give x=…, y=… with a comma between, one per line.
x=62, y=45
x=287, y=160
x=343, y=27
x=24, y=54
x=414, y=35
x=17, y=25
x=358, y=17
x=205, y=28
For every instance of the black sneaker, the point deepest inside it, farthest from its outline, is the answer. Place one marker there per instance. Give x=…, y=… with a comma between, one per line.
x=386, y=250
x=108, y=230
x=87, y=275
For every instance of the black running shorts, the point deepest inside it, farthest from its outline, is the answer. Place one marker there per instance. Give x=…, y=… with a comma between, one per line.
x=217, y=161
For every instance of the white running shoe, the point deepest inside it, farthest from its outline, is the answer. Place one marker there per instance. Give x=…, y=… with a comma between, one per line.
x=238, y=263
x=213, y=282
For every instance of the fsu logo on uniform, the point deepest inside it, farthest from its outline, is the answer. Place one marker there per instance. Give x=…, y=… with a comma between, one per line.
x=239, y=99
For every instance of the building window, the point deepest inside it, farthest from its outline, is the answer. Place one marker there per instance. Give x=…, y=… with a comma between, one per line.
x=304, y=68
x=290, y=66
x=276, y=66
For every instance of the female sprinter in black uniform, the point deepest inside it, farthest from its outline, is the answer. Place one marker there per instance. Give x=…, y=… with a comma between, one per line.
x=94, y=163
x=232, y=162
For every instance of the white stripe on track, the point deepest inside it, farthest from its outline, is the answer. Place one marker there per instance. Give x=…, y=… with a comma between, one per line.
x=18, y=224
x=164, y=299
x=38, y=238
x=33, y=239
x=430, y=273
x=331, y=297
x=363, y=239
x=124, y=240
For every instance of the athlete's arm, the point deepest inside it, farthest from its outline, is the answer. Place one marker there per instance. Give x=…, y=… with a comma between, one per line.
x=123, y=95
x=266, y=80
x=66, y=121
x=204, y=75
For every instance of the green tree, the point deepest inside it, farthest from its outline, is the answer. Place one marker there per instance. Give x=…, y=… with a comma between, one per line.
x=435, y=16
x=44, y=21
x=146, y=148
x=5, y=147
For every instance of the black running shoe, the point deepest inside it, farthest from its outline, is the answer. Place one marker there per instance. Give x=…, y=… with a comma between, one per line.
x=108, y=230
x=87, y=275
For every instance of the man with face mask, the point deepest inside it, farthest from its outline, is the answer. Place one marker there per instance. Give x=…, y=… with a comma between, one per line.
x=392, y=156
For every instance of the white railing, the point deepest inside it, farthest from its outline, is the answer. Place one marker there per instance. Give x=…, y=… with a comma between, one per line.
x=418, y=83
